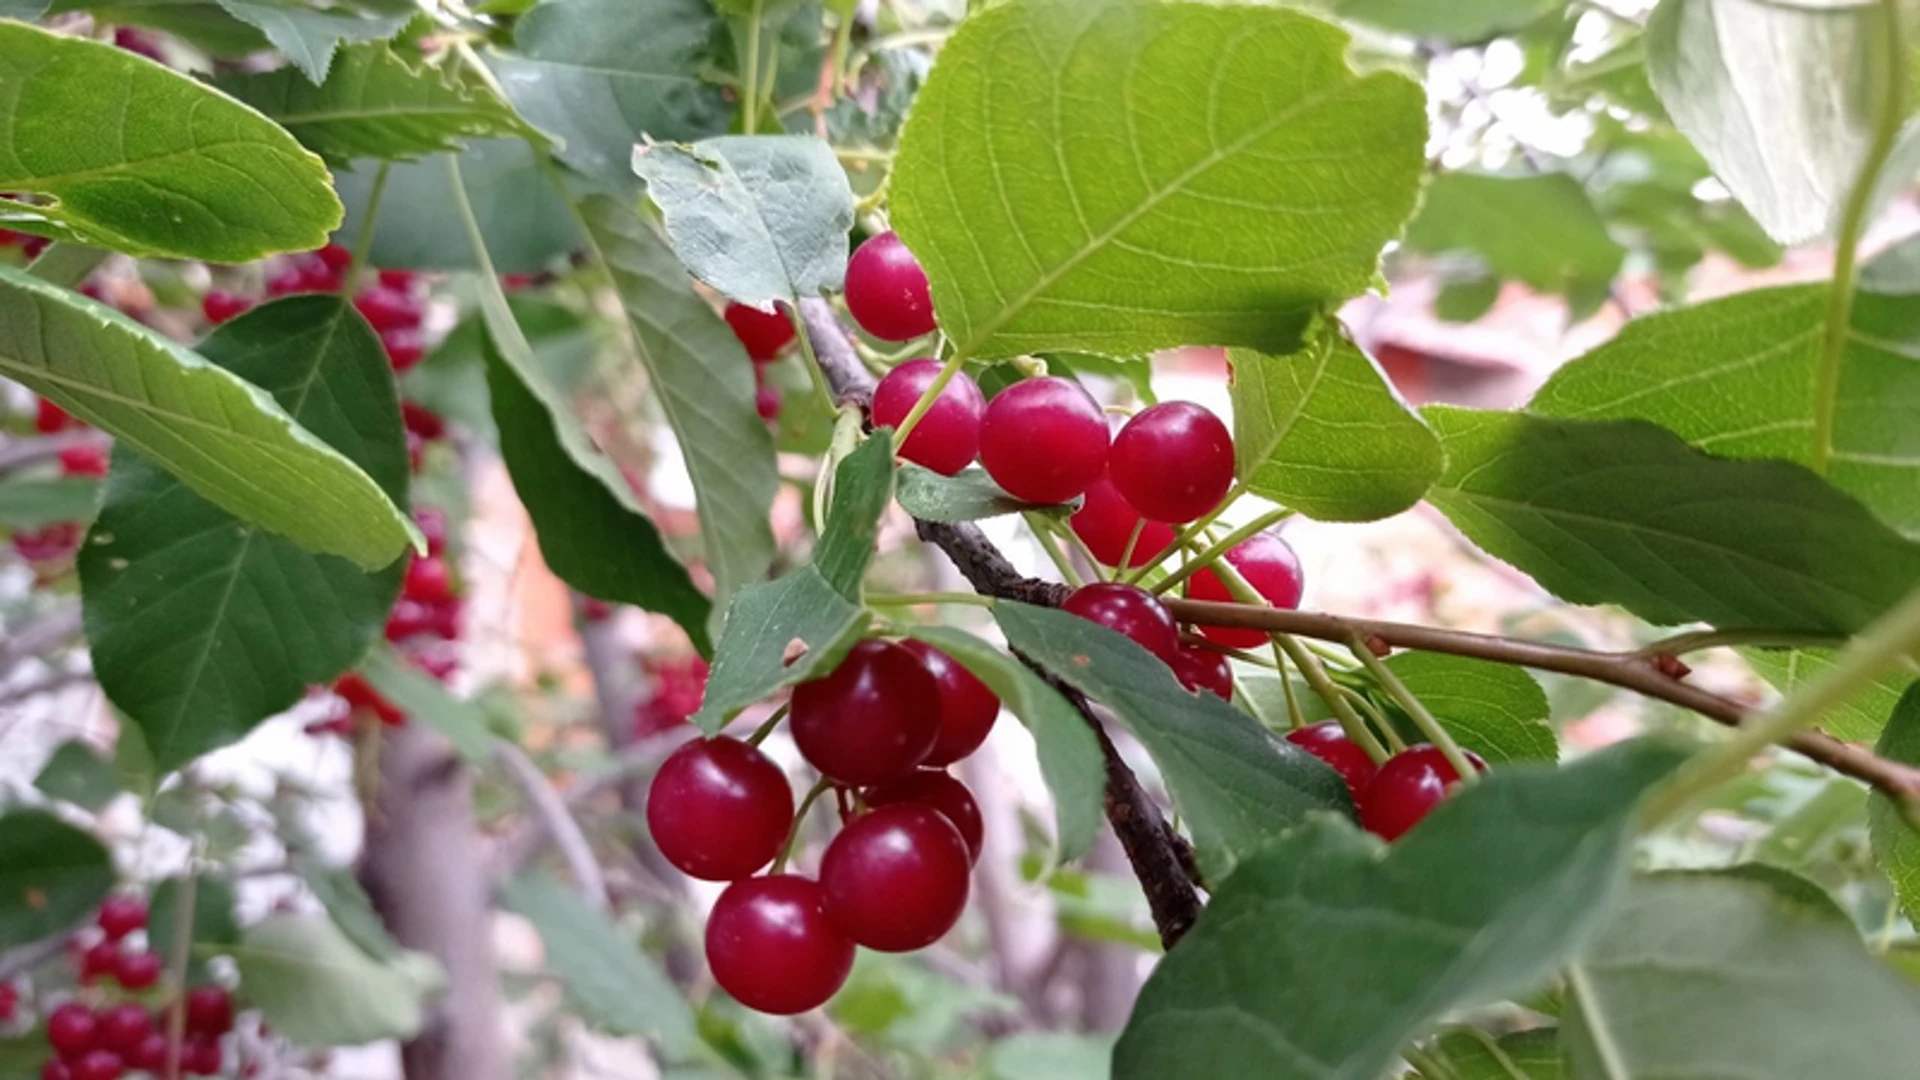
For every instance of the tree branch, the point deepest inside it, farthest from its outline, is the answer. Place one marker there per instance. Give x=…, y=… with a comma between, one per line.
x=556, y=822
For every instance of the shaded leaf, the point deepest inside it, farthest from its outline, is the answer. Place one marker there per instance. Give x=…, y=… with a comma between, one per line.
x=862, y=487
x=970, y=495
x=76, y=773
x=309, y=35
x=1476, y=1055
x=1858, y=719
x=51, y=875
x=318, y=989
x=1540, y=229
x=1495, y=710
x=524, y=217
x=349, y=907
x=1896, y=846
x=1039, y=1056
x=36, y=504
x=214, y=929
x=425, y=700
x=1463, y=21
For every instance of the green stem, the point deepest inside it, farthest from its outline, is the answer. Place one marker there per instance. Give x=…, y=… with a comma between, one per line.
x=1185, y=536
x=813, y=362
x=1044, y=535
x=363, y=243
x=760, y=733
x=177, y=962
x=1220, y=547
x=820, y=787
x=750, y=92
x=916, y=599
x=1073, y=540
x=1126, y=553
x=1696, y=640
x=1387, y=733
x=1853, y=222
x=1296, y=718
x=928, y=397
x=1416, y=710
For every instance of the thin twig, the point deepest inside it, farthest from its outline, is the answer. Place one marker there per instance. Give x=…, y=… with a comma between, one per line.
x=557, y=821
x=39, y=637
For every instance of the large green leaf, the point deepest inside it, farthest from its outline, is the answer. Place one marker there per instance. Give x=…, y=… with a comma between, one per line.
x=175, y=169
x=1468, y=1054
x=1862, y=716
x=76, y=773
x=599, y=75
x=758, y=217
x=1321, y=956
x=703, y=381
x=1753, y=974
x=1322, y=431
x=1235, y=786
x=1735, y=376
x=203, y=625
x=51, y=875
x=319, y=989
x=310, y=35
x=227, y=439
x=1540, y=229
x=1070, y=757
x=1776, y=96
x=1896, y=846
x=970, y=495
x=1463, y=21
x=374, y=105
x=522, y=214
x=36, y=504
x=1624, y=512
x=1053, y=210
x=1495, y=710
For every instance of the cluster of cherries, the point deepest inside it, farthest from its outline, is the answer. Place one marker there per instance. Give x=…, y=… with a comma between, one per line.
x=881, y=728
x=57, y=542
x=393, y=305
x=677, y=684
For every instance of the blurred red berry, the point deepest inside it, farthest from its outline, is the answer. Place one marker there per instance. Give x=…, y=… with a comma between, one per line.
x=358, y=695
x=219, y=305
x=335, y=258
x=388, y=309
x=121, y=915
x=405, y=347
x=49, y=418
x=398, y=279
x=84, y=459
x=422, y=421
x=52, y=544
x=138, y=970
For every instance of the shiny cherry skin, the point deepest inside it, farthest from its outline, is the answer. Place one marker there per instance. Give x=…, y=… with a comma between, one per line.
x=1328, y=741
x=887, y=290
x=719, y=809
x=771, y=946
x=209, y=1011
x=219, y=305
x=201, y=1056
x=762, y=333
x=121, y=915
x=947, y=437
x=873, y=719
x=97, y=1065
x=138, y=970
x=151, y=1054
x=99, y=961
x=1407, y=788
x=55, y=1069
x=967, y=708
x=123, y=1028
x=1105, y=522
x=1201, y=669
x=1129, y=610
x=428, y=580
x=1172, y=462
x=1270, y=566
x=72, y=1030
x=1044, y=440
x=895, y=878
x=942, y=791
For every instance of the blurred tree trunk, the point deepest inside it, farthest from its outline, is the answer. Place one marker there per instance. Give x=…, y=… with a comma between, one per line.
x=1109, y=973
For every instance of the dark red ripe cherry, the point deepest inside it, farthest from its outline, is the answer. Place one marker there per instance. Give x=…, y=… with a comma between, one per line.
x=1132, y=611
x=201, y=1056
x=335, y=258
x=1044, y=440
x=764, y=333
x=1407, y=787
x=887, y=291
x=121, y=915
x=967, y=708
x=1105, y=523
x=209, y=1011
x=102, y=960
x=137, y=970
x=766, y=402
x=72, y=1030
x=97, y=1065
x=771, y=946
x=1172, y=462
x=219, y=305
x=404, y=347
x=895, y=879
x=84, y=459
x=397, y=279
x=940, y=790
x=1270, y=566
x=1328, y=742
x=871, y=720
x=151, y=1054
x=422, y=421
x=55, y=1070
x=947, y=437
x=719, y=809
x=388, y=309
x=1201, y=669
x=428, y=580
x=124, y=1027
x=9, y=1001
x=49, y=418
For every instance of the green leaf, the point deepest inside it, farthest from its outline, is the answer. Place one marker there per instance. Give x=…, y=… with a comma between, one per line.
x=51, y=875
x=1755, y=975
x=758, y=217
x=1322, y=431
x=1235, y=786
x=524, y=217
x=309, y=36
x=79, y=775
x=1052, y=211
x=1896, y=846
x=226, y=439
x=349, y=907
x=319, y=989
x=1541, y=229
x=214, y=926
x=599, y=75
x=616, y=987
x=703, y=381
x=202, y=625
x=1862, y=716
x=592, y=533
x=1495, y=710
x=1476, y=1055
x=36, y=504
x=1624, y=512
x=1459, y=21
x=862, y=487
x=1070, y=757
x=374, y=105
x=202, y=23
x=422, y=698
x=1324, y=954
x=970, y=495
x=1777, y=97
x=1037, y=1056
x=177, y=170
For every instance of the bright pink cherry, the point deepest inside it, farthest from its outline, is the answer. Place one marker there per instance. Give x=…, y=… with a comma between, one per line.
x=873, y=719
x=219, y=305
x=887, y=290
x=1105, y=523
x=771, y=946
x=84, y=459
x=719, y=809
x=895, y=879
x=1203, y=669
x=1044, y=440
x=763, y=333
x=947, y=437
x=428, y=580
x=49, y=418
x=940, y=790
x=1128, y=610
x=1173, y=462
x=388, y=309
x=1270, y=566
x=967, y=708
x=1328, y=741
x=1407, y=787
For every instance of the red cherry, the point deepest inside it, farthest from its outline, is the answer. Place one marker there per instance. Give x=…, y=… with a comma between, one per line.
x=947, y=437
x=1044, y=440
x=9, y=1001
x=84, y=459
x=32, y=246
x=1328, y=742
x=887, y=291
x=358, y=695
x=151, y=1054
x=404, y=347
x=317, y=276
x=771, y=946
x=387, y=309
x=72, y=1030
x=219, y=305
x=99, y=962
x=121, y=915
x=433, y=525
x=1407, y=787
x=335, y=258
x=209, y=1011
x=871, y=720
x=51, y=544
x=401, y=280
x=763, y=333
x=940, y=790
x=124, y=1027
x=138, y=970
x=719, y=809
x=97, y=1065
x=1132, y=611
x=421, y=420
x=766, y=402
x=895, y=879
x=55, y=1069
x=1270, y=566
x=1203, y=669
x=201, y=1056
x=1105, y=522
x=428, y=580
x=967, y=708
x=49, y=418
x=1172, y=462
x=286, y=282
x=138, y=42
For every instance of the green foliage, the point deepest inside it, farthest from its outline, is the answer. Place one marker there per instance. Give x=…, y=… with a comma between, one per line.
x=51, y=874
x=203, y=625
x=1862, y=716
x=970, y=495
x=78, y=775
x=1052, y=208
x=180, y=171
x=309, y=36
x=1494, y=710
x=213, y=925
x=1896, y=843
x=523, y=215
x=1468, y=1054
x=1540, y=229
x=423, y=699
x=36, y=504
x=317, y=988
x=1459, y=21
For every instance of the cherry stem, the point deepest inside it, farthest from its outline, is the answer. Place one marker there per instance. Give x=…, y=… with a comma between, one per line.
x=820, y=787
x=812, y=361
x=1696, y=640
x=1133, y=538
x=1218, y=548
x=363, y=242
x=182, y=953
x=917, y=599
x=1388, y=734
x=765, y=729
x=1295, y=717
x=1043, y=533
x=1415, y=709
x=928, y=396
x=1185, y=537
